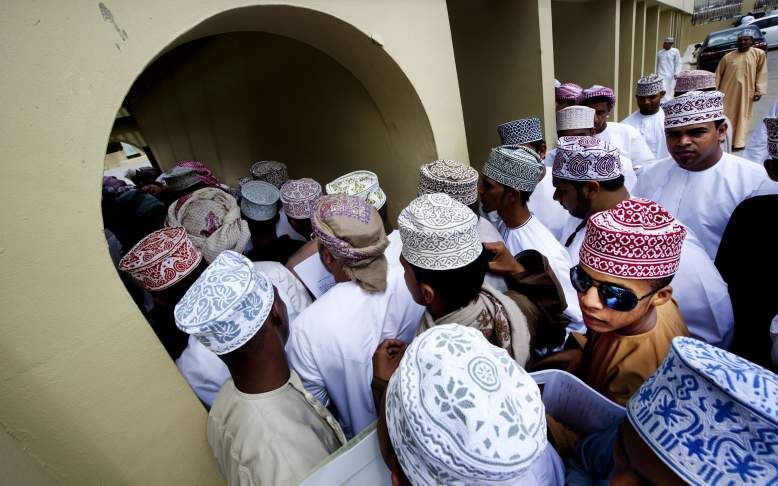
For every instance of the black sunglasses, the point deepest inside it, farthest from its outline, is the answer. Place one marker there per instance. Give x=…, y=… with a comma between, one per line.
x=613, y=296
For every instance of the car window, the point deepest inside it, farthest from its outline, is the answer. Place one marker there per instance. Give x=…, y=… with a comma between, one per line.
x=761, y=23
x=771, y=22
x=727, y=36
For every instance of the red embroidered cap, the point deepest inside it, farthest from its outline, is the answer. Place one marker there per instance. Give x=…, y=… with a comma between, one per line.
x=638, y=239
x=161, y=259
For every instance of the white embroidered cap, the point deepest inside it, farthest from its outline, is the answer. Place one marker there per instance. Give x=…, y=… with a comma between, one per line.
x=694, y=107
x=361, y=183
x=575, y=118
x=299, y=197
x=694, y=80
x=515, y=166
x=439, y=233
x=227, y=304
x=259, y=200
x=710, y=415
x=671, y=40
x=461, y=411
x=586, y=159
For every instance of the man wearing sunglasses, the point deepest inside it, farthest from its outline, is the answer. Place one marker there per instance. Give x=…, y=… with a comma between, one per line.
x=628, y=258
x=588, y=179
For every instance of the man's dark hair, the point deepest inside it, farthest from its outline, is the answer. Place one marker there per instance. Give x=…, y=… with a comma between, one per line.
x=536, y=145
x=610, y=185
x=458, y=287
x=718, y=122
x=524, y=195
x=661, y=283
x=598, y=99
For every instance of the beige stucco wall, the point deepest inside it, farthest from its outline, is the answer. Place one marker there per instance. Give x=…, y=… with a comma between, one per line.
x=505, y=64
x=625, y=92
x=586, y=42
x=86, y=391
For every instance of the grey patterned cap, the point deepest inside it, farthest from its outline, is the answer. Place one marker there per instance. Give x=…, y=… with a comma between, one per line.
x=180, y=178
x=259, y=200
x=439, y=233
x=650, y=85
x=461, y=411
x=515, y=166
x=521, y=131
x=772, y=136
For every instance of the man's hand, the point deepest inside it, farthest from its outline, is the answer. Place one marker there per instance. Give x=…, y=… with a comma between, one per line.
x=501, y=261
x=757, y=97
x=387, y=358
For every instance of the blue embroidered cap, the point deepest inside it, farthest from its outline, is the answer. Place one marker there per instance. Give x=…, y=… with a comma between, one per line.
x=461, y=411
x=710, y=415
x=227, y=305
x=518, y=132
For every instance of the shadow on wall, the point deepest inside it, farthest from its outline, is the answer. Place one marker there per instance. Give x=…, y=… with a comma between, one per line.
x=234, y=98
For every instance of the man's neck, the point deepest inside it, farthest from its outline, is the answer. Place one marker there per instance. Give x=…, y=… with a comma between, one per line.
x=604, y=126
x=608, y=200
x=642, y=325
x=261, y=372
x=515, y=216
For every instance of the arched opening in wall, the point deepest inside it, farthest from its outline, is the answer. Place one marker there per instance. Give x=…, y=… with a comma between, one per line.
x=260, y=83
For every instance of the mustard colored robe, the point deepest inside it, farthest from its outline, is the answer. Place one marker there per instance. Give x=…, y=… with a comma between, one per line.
x=740, y=76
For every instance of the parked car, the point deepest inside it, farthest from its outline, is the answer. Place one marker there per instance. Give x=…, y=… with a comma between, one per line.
x=769, y=27
x=716, y=44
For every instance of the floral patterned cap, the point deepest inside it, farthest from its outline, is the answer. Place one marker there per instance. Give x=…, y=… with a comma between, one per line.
x=772, y=136
x=694, y=80
x=710, y=415
x=519, y=132
x=568, y=92
x=161, y=259
x=650, y=85
x=461, y=411
x=596, y=91
x=361, y=183
x=515, y=166
x=227, y=304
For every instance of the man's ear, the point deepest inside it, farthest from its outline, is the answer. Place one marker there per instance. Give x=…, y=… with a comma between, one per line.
x=662, y=296
x=427, y=294
x=722, y=131
x=590, y=189
x=543, y=148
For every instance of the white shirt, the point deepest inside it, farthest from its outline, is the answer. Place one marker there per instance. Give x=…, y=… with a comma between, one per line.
x=546, y=470
x=532, y=235
x=542, y=205
x=489, y=234
x=756, y=148
x=668, y=64
x=331, y=343
x=283, y=227
x=703, y=201
x=632, y=149
x=203, y=370
x=698, y=289
x=652, y=128
x=270, y=438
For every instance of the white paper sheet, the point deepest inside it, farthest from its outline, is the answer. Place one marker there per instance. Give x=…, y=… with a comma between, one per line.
x=572, y=402
x=357, y=463
x=314, y=275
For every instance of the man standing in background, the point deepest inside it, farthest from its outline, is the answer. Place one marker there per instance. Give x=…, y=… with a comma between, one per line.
x=668, y=64
x=742, y=77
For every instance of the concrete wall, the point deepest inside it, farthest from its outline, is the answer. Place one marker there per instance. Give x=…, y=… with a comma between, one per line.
x=639, y=52
x=235, y=98
x=86, y=391
x=652, y=41
x=505, y=66
x=626, y=87
x=586, y=42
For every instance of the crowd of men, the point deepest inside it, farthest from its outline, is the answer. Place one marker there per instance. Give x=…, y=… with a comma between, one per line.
x=635, y=255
